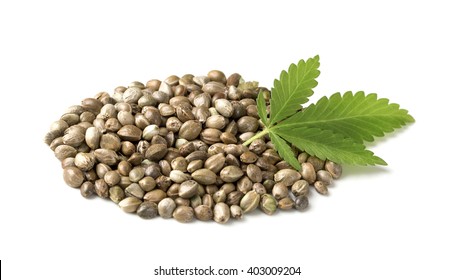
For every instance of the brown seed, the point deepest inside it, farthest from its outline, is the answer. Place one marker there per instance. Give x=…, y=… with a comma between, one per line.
x=210, y=135
x=134, y=190
x=203, y=213
x=233, y=80
x=334, y=169
x=74, y=139
x=308, y=172
x=155, y=195
x=286, y=203
x=248, y=157
x=190, y=130
x=147, y=183
x=317, y=163
x=258, y=146
x=108, y=157
x=280, y=190
x=112, y=178
x=215, y=163
x=231, y=174
x=247, y=124
x=194, y=165
x=259, y=188
x=130, y=133
x=236, y=211
x=224, y=107
x=135, y=159
x=147, y=210
x=204, y=176
x=254, y=173
x=221, y=213
x=188, y=189
x=112, y=125
x=129, y=204
x=321, y=187
x=302, y=157
x=92, y=105
x=216, y=121
x=179, y=163
x=300, y=187
x=324, y=176
x=110, y=141
x=202, y=155
x=287, y=176
x=65, y=151
x=233, y=198
x=136, y=174
x=219, y=196
x=183, y=214
x=208, y=201
x=244, y=184
x=101, y=188
x=217, y=76
x=73, y=176
x=87, y=189
x=84, y=161
x=250, y=201
x=116, y=194
x=156, y=152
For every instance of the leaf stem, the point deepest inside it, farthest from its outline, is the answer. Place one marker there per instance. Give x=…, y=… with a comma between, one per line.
x=256, y=136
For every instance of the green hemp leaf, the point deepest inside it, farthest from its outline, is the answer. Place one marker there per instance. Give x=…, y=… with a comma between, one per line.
x=333, y=128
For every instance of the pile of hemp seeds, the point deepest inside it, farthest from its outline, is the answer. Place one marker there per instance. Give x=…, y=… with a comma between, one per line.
x=173, y=148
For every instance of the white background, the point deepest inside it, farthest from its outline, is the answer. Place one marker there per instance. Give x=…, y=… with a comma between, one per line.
x=377, y=222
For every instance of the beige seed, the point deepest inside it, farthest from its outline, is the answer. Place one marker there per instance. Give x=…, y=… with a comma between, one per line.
x=215, y=163
x=204, y=176
x=286, y=203
x=224, y=107
x=221, y=213
x=231, y=174
x=156, y=152
x=147, y=183
x=287, y=176
x=321, y=187
x=300, y=187
x=178, y=176
x=93, y=137
x=73, y=176
x=108, y=157
x=155, y=195
x=129, y=204
x=183, y=214
x=280, y=190
x=190, y=130
x=236, y=212
x=308, y=172
x=334, y=169
x=188, y=189
x=134, y=190
x=101, y=188
x=166, y=207
x=130, y=133
x=112, y=178
x=203, y=213
x=84, y=161
x=324, y=176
